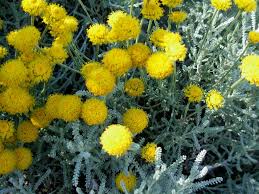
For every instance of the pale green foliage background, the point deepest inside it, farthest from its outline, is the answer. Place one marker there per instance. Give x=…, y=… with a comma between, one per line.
x=68, y=157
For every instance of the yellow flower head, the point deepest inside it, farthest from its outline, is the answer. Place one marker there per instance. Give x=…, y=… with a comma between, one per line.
x=88, y=67
x=24, y=39
x=70, y=24
x=159, y=66
x=23, y=158
x=6, y=129
x=148, y=152
x=151, y=10
x=54, y=13
x=223, y=5
x=139, y=54
x=3, y=52
x=115, y=16
x=253, y=37
x=118, y=61
x=27, y=132
x=250, y=69
x=34, y=7
x=94, y=111
x=116, y=140
x=135, y=119
x=246, y=5
x=193, y=93
x=51, y=106
x=69, y=108
x=40, y=118
x=214, y=100
x=100, y=82
x=7, y=161
x=129, y=180
x=134, y=87
x=13, y=73
x=176, y=51
x=178, y=16
x=16, y=100
x=97, y=33
x=172, y=3
x=56, y=53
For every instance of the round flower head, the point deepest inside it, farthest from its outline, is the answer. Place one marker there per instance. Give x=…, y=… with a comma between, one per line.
x=97, y=33
x=56, y=53
x=6, y=129
x=7, y=161
x=148, y=152
x=151, y=10
x=94, y=112
x=51, y=106
x=115, y=16
x=161, y=37
x=214, y=100
x=34, y=7
x=70, y=24
x=116, y=140
x=139, y=54
x=135, y=119
x=13, y=73
x=134, y=87
x=223, y=5
x=193, y=93
x=178, y=16
x=27, y=132
x=23, y=158
x=253, y=37
x=159, y=66
x=53, y=14
x=16, y=100
x=176, y=51
x=118, y=61
x=250, y=69
x=24, y=39
x=69, y=108
x=128, y=180
x=40, y=118
x=172, y=3
x=3, y=52
x=246, y=5
x=88, y=67
x=100, y=82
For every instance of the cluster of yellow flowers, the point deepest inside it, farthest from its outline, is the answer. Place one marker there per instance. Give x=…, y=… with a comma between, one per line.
x=243, y=5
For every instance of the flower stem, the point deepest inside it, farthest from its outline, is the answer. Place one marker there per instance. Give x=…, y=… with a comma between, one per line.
x=186, y=110
x=85, y=10
x=131, y=6
x=141, y=24
x=67, y=67
x=149, y=29
x=234, y=85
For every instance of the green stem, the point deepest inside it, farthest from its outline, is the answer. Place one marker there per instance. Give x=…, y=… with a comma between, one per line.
x=148, y=29
x=169, y=23
x=97, y=48
x=71, y=69
x=32, y=20
x=141, y=24
x=131, y=6
x=234, y=85
x=186, y=110
x=85, y=10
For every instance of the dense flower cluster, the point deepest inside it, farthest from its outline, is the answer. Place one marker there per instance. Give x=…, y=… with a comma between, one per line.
x=134, y=87
x=178, y=16
x=193, y=93
x=148, y=152
x=221, y=4
x=214, y=100
x=250, y=69
x=246, y=5
x=128, y=180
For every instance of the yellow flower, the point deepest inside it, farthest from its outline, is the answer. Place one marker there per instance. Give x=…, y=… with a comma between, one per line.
x=97, y=33
x=7, y=161
x=134, y=87
x=151, y=10
x=214, y=100
x=246, y=5
x=253, y=37
x=221, y=4
x=16, y=100
x=69, y=108
x=148, y=152
x=51, y=106
x=88, y=67
x=178, y=16
x=118, y=61
x=64, y=39
x=100, y=82
x=13, y=73
x=116, y=140
x=176, y=51
x=193, y=93
x=70, y=24
x=34, y=7
x=94, y=111
x=135, y=119
x=129, y=180
x=24, y=39
x=6, y=129
x=54, y=13
x=114, y=17
x=56, y=53
x=139, y=54
x=250, y=69
x=23, y=158
x=40, y=118
x=172, y=3
x=27, y=132
x=159, y=66
x=3, y=52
